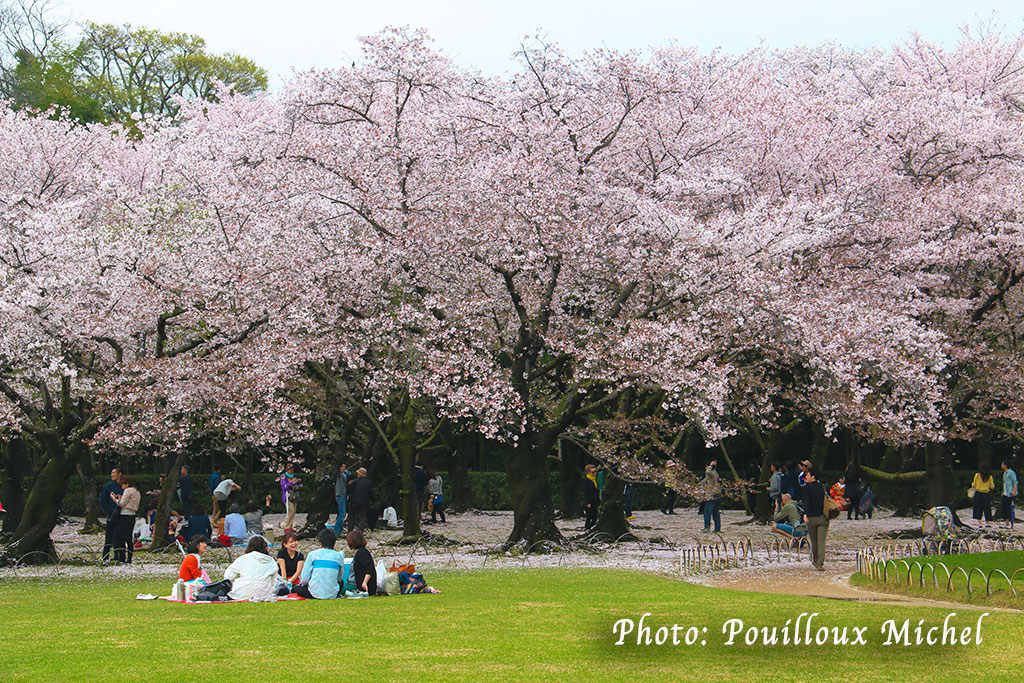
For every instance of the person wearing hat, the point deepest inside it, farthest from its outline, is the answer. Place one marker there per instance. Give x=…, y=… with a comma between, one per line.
x=359, y=500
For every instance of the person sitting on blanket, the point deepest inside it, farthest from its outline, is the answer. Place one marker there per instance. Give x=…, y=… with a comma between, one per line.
x=254, y=517
x=290, y=561
x=191, y=567
x=198, y=523
x=787, y=520
x=324, y=569
x=254, y=574
x=234, y=525
x=363, y=575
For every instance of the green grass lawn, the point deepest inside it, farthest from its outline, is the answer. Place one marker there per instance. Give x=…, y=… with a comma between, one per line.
x=553, y=624
x=1005, y=561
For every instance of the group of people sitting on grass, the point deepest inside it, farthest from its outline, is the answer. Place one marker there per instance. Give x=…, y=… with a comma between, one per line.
x=786, y=491
x=255, y=575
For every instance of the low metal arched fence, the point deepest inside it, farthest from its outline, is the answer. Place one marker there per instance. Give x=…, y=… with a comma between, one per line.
x=704, y=556
x=887, y=563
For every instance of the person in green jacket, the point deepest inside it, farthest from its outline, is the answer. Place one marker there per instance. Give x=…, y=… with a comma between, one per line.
x=787, y=519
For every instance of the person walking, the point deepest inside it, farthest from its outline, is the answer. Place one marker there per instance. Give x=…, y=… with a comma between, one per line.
x=359, y=499
x=108, y=503
x=1009, y=492
x=983, y=484
x=341, y=497
x=814, y=517
x=289, y=494
x=713, y=500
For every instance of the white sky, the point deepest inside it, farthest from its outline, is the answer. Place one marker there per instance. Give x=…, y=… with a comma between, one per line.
x=320, y=33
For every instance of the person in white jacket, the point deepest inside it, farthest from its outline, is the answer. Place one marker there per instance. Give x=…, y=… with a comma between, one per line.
x=254, y=574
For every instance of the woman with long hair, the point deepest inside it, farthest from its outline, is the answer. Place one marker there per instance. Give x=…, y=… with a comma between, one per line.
x=983, y=484
x=128, y=505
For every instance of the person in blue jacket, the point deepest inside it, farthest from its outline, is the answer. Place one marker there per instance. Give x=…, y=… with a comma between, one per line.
x=324, y=570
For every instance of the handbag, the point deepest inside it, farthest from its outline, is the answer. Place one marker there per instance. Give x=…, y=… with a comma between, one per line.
x=829, y=509
x=971, y=492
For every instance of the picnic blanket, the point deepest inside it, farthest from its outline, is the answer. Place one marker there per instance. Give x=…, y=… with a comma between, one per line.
x=277, y=598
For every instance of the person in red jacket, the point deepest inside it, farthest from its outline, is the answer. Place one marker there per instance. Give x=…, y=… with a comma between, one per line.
x=191, y=568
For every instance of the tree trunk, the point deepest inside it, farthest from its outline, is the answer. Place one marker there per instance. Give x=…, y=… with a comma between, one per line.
x=570, y=467
x=42, y=506
x=321, y=503
x=819, y=447
x=735, y=476
x=318, y=497
x=904, y=492
x=458, y=471
x=168, y=492
x=17, y=468
x=526, y=467
x=90, y=492
x=763, y=505
x=406, y=439
x=250, y=483
x=939, y=474
x=611, y=521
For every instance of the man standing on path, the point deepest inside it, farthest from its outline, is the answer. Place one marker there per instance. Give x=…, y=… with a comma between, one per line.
x=1009, y=492
x=341, y=496
x=110, y=509
x=775, y=486
x=186, y=491
x=591, y=497
x=359, y=500
x=213, y=483
x=814, y=516
x=713, y=491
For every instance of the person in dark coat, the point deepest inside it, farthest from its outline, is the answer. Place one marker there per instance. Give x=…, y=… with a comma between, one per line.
x=854, y=488
x=591, y=497
x=814, y=517
x=421, y=485
x=110, y=509
x=186, y=491
x=359, y=498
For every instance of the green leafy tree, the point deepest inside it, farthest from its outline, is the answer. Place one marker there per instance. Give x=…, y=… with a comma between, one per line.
x=132, y=70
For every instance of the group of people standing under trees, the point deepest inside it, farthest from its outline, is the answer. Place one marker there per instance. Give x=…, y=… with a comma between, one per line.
x=981, y=494
x=233, y=522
